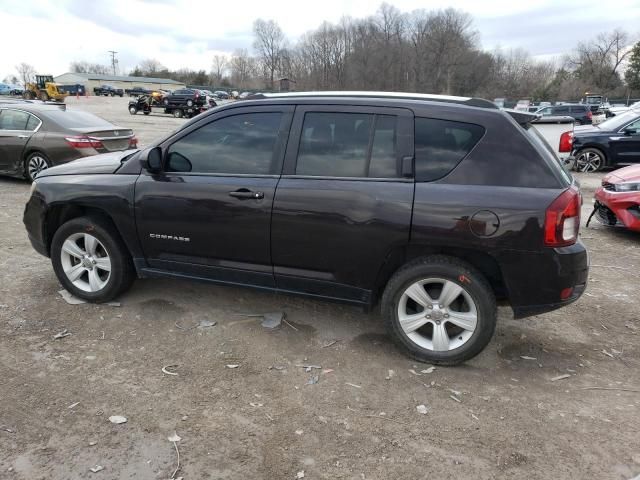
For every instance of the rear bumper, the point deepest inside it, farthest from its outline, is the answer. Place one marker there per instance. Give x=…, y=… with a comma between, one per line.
x=618, y=208
x=539, y=282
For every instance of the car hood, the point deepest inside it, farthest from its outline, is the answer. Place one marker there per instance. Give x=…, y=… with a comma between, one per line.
x=626, y=174
x=104, y=163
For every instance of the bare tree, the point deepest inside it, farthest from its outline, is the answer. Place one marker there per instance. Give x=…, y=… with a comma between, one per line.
x=598, y=61
x=269, y=44
x=150, y=67
x=220, y=64
x=242, y=68
x=87, y=67
x=26, y=73
x=11, y=79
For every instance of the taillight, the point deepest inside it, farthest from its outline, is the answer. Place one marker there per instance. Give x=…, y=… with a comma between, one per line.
x=81, y=141
x=133, y=142
x=562, y=219
x=589, y=114
x=566, y=142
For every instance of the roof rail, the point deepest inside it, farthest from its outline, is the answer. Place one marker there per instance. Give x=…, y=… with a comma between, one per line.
x=470, y=101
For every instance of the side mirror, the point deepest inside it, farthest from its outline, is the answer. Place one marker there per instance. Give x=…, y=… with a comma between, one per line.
x=630, y=131
x=153, y=162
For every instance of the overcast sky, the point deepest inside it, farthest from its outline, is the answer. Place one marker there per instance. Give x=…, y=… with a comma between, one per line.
x=187, y=33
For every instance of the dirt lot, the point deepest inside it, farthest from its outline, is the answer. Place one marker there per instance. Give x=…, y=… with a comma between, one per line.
x=499, y=416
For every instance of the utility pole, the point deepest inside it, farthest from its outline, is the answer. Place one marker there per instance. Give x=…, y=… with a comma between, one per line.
x=114, y=60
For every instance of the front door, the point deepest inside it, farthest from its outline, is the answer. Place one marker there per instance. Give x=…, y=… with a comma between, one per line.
x=343, y=204
x=208, y=213
x=626, y=144
x=16, y=128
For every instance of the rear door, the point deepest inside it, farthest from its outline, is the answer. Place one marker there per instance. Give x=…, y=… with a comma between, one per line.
x=625, y=145
x=342, y=204
x=16, y=128
x=208, y=214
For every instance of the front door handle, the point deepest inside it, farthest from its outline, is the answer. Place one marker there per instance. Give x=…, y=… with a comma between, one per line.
x=23, y=136
x=245, y=193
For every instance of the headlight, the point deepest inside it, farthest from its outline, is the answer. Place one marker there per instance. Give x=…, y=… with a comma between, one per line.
x=627, y=187
x=33, y=187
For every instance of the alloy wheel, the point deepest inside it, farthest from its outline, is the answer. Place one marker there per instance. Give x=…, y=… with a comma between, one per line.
x=588, y=162
x=36, y=164
x=85, y=262
x=437, y=314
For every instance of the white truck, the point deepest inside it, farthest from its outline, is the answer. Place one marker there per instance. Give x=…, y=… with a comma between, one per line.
x=558, y=133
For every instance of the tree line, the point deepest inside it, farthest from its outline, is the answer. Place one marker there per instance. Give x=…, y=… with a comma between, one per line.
x=433, y=51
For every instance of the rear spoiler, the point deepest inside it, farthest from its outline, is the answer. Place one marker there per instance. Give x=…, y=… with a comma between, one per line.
x=522, y=117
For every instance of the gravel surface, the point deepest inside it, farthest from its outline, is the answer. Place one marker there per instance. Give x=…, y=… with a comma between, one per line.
x=555, y=396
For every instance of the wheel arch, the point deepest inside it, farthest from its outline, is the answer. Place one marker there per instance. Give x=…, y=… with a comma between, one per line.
x=28, y=150
x=399, y=256
x=57, y=215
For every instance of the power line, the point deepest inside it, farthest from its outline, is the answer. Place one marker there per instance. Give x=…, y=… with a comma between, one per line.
x=114, y=60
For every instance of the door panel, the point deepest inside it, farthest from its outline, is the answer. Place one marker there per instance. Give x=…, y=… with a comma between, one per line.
x=14, y=136
x=209, y=212
x=626, y=147
x=331, y=235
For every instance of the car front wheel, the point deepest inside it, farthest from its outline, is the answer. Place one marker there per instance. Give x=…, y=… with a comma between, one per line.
x=439, y=310
x=90, y=259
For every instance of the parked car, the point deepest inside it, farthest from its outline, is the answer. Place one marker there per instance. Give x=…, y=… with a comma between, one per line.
x=222, y=95
x=16, y=90
x=108, y=90
x=434, y=207
x=614, y=142
x=582, y=114
x=36, y=136
x=5, y=89
x=244, y=95
x=187, y=96
x=617, y=201
x=137, y=91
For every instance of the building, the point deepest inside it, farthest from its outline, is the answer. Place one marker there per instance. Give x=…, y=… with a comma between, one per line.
x=92, y=80
x=286, y=84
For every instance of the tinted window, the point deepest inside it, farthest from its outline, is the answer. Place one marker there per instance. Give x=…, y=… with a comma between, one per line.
x=441, y=145
x=348, y=145
x=32, y=123
x=561, y=110
x=241, y=144
x=13, y=120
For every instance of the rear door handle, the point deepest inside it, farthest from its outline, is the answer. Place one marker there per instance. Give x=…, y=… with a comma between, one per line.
x=245, y=193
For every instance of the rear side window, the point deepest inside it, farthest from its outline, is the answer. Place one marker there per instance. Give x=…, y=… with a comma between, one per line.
x=13, y=120
x=348, y=145
x=441, y=144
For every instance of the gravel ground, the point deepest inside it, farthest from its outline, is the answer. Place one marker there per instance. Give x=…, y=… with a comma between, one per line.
x=498, y=416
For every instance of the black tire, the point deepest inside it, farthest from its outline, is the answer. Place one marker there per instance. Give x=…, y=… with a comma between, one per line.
x=133, y=110
x=177, y=113
x=590, y=160
x=146, y=113
x=112, y=94
x=44, y=96
x=34, y=164
x=461, y=274
x=189, y=103
x=122, y=272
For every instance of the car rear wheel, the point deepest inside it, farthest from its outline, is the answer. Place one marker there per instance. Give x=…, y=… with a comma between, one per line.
x=177, y=113
x=439, y=310
x=34, y=164
x=90, y=259
x=189, y=103
x=133, y=110
x=589, y=160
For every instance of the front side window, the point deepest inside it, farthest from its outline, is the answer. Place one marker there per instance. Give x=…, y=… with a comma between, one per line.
x=441, y=144
x=240, y=144
x=13, y=120
x=348, y=145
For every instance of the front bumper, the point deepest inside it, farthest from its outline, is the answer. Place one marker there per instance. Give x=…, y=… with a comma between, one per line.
x=539, y=282
x=34, y=222
x=618, y=208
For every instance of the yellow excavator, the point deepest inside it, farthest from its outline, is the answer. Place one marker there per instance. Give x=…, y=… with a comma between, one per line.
x=45, y=89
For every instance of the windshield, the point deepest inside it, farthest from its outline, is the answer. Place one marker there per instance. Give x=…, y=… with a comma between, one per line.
x=594, y=100
x=71, y=119
x=614, y=123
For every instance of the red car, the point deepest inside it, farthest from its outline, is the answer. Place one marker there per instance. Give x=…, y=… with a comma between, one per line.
x=618, y=199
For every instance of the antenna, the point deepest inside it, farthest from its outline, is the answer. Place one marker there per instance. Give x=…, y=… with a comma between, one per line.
x=114, y=60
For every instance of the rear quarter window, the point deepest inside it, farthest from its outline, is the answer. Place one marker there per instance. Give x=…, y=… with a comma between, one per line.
x=440, y=145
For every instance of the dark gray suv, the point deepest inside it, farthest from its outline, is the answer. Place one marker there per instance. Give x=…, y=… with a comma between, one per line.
x=434, y=208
